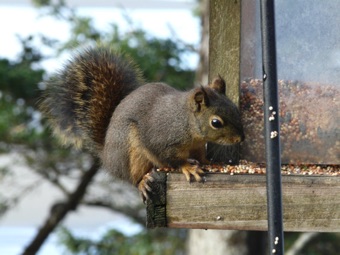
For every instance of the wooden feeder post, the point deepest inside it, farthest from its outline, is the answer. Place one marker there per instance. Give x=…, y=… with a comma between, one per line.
x=224, y=60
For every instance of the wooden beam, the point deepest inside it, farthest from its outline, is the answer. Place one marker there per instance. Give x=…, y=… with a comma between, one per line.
x=224, y=60
x=224, y=44
x=223, y=201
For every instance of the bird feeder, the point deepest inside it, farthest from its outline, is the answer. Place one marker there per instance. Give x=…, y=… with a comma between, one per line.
x=308, y=78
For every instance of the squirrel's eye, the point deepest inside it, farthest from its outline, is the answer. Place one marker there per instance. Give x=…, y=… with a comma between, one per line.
x=216, y=123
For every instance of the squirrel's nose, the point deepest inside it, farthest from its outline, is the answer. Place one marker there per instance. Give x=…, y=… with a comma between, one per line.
x=238, y=139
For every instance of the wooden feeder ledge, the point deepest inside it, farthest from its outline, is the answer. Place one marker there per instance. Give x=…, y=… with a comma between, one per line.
x=237, y=200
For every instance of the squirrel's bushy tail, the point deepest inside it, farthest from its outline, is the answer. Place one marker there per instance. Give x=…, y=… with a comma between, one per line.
x=80, y=99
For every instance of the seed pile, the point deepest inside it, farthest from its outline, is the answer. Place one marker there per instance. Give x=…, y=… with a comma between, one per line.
x=246, y=167
x=309, y=116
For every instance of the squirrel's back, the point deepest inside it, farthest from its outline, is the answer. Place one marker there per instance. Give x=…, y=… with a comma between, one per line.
x=80, y=99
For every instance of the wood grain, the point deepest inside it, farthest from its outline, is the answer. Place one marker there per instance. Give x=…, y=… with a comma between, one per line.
x=310, y=203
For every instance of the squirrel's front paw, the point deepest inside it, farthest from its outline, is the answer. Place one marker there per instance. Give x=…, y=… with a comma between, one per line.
x=193, y=168
x=144, y=188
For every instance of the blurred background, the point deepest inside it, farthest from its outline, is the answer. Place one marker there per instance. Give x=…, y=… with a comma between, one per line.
x=168, y=40
x=37, y=174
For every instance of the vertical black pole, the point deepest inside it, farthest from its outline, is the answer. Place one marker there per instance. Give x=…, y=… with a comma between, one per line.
x=272, y=132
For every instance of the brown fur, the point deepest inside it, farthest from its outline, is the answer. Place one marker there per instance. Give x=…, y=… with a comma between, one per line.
x=140, y=160
x=80, y=99
x=97, y=102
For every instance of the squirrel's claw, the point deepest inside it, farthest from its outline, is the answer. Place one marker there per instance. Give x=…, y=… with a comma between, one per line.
x=144, y=188
x=193, y=168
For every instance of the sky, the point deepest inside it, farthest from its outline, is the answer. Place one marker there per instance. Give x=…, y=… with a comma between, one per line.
x=19, y=225
x=159, y=22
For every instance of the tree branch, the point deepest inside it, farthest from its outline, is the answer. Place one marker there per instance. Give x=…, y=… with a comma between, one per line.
x=53, y=181
x=133, y=213
x=301, y=242
x=61, y=210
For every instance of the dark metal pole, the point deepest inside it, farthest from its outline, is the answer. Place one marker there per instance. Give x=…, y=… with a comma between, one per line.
x=272, y=131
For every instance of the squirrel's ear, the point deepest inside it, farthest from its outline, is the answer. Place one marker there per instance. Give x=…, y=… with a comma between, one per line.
x=199, y=99
x=218, y=85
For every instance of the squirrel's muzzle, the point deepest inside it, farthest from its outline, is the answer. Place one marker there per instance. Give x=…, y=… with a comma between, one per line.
x=238, y=139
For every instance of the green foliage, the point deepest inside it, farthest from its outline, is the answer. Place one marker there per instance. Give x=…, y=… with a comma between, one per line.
x=155, y=242
x=82, y=31
x=160, y=59
x=54, y=8
x=48, y=3
x=20, y=123
x=13, y=114
x=18, y=95
x=324, y=243
x=19, y=80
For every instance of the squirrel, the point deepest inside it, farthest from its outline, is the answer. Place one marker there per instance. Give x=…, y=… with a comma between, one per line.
x=100, y=102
